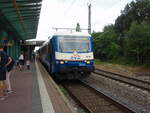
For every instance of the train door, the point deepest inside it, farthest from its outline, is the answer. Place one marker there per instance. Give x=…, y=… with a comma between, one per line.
x=50, y=55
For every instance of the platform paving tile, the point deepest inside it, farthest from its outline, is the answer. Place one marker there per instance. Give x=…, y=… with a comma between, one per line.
x=26, y=98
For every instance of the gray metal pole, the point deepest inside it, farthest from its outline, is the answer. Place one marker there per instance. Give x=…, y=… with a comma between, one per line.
x=89, y=18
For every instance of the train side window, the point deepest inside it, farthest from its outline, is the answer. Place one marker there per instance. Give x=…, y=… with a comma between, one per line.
x=50, y=49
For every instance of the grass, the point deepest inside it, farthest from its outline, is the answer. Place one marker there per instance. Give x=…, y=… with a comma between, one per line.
x=120, y=61
x=81, y=112
x=64, y=91
x=98, y=61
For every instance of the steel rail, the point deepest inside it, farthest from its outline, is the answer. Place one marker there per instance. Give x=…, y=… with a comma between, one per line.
x=78, y=101
x=125, y=79
x=125, y=108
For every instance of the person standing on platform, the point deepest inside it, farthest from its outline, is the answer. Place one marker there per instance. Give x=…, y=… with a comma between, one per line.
x=8, y=73
x=4, y=62
x=21, y=61
x=33, y=56
x=28, y=64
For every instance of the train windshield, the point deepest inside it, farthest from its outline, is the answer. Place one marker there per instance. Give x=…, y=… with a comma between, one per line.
x=72, y=43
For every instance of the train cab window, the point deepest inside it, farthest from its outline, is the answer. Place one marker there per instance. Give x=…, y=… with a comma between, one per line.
x=70, y=44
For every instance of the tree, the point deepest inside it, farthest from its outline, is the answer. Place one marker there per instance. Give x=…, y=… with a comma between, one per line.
x=106, y=44
x=137, y=42
x=138, y=10
x=129, y=37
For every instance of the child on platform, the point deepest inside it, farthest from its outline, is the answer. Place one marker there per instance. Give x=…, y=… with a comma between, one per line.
x=28, y=64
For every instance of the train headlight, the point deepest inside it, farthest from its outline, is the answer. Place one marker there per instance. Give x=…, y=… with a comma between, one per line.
x=61, y=62
x=88, y=62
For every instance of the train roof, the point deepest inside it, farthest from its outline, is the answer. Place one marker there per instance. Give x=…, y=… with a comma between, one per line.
x=71, y=34
x=64, y=34
x=45, y=43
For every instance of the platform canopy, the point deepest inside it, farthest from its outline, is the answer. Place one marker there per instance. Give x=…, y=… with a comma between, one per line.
x=20, y=17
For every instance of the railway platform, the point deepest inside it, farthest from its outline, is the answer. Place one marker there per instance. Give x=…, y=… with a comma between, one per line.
x=34, y=92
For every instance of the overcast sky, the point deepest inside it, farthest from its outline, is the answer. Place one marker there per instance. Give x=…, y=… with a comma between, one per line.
x=67, y=13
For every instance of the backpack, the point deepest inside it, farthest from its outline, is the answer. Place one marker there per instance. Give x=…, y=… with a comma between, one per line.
x=3, y=59
x=10, y=66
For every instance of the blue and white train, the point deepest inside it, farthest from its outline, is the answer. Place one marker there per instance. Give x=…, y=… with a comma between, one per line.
x=68, y=55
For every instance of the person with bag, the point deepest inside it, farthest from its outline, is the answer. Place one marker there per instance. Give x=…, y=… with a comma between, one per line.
x=8, y=73
x=4, y=62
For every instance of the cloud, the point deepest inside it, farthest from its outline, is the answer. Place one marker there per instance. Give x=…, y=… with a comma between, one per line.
x=66, y=13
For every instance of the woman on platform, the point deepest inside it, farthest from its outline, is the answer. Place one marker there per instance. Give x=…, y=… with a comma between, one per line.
x=21, y=61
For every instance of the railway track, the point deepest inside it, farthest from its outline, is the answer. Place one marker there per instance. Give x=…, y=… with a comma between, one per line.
x=124, y=91
x=129, y=92
x=94, y=101
x=144, y=85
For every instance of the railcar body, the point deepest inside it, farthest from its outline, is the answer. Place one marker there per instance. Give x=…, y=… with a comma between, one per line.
x=68, y=55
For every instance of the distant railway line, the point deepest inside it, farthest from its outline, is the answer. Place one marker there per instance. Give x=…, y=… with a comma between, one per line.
x=144, y=85
x=131, y=92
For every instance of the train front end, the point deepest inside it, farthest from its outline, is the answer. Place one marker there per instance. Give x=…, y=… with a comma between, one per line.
x=74, y=56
